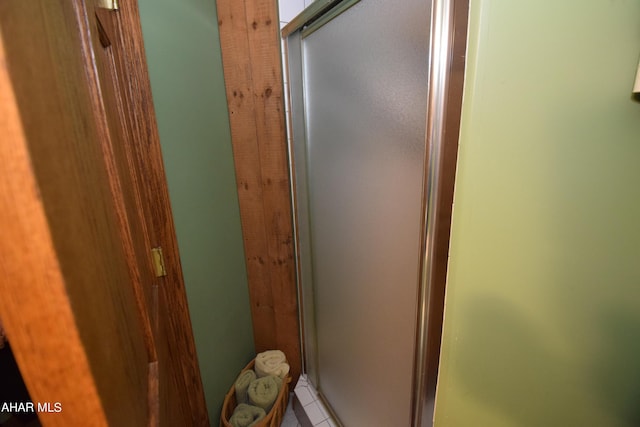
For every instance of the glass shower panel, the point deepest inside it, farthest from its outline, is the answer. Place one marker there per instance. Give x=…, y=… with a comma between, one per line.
x=365, y=90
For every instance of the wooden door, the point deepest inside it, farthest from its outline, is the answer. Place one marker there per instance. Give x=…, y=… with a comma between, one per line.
x=83, y=201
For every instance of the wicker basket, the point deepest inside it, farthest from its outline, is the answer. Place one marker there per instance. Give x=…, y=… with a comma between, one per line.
x=273, y=418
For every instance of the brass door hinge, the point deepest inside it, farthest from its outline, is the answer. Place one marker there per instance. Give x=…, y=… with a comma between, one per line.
x=158, y=262
x=108, y=4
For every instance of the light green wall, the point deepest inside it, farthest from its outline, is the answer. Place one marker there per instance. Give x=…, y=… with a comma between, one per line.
x=542, y=323
x=183, y=51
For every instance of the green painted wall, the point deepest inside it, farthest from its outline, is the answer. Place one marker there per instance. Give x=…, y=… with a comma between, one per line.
x=183, y=51
x=542, y=323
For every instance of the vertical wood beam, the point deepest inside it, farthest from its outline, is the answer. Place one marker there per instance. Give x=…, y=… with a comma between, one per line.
x=250, y=42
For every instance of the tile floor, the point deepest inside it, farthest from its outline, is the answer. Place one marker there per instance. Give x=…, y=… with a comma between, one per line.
x=289, y=419
x=312, y=407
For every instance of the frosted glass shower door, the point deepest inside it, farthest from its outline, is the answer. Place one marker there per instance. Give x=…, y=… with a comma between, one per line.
x=359, y=93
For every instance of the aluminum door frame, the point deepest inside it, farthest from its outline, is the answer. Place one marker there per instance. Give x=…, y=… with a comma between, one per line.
x=440, y=58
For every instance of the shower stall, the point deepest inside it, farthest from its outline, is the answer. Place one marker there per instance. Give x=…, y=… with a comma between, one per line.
x=372, y=168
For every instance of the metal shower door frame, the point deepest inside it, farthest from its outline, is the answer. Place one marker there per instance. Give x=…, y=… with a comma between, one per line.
x=439, y=65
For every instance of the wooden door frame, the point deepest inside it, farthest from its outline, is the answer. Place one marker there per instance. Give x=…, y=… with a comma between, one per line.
x=252, y=62
x=36, y=311
x=150, y=181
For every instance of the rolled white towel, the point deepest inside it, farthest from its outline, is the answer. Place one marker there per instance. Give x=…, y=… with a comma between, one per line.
x=271, y=362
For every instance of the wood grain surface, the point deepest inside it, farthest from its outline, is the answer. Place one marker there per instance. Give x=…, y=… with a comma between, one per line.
x=249, y=37
x=142, y=169
x=83, y=199
x=68, y=304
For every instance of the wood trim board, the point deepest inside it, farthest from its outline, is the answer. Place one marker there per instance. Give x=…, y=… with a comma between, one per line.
x=250, y=42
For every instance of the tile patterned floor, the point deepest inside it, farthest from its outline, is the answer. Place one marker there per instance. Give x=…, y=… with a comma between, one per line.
x=313, y=407
x=289, y=419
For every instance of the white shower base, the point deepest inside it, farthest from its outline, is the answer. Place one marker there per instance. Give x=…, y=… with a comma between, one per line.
x=306, y=409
